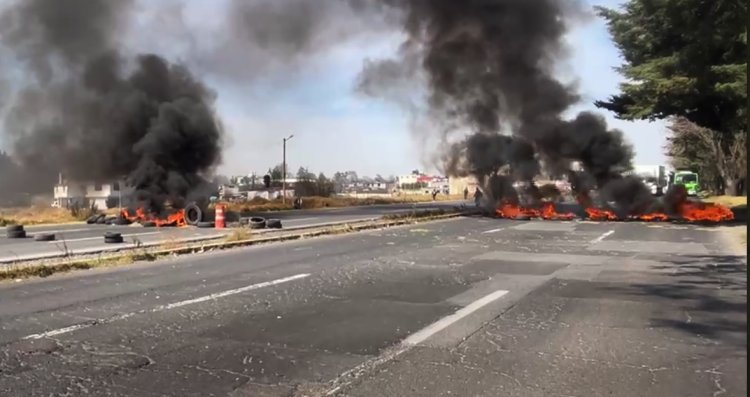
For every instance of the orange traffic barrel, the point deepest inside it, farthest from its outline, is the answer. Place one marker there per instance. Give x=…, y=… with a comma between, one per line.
x=219, y=216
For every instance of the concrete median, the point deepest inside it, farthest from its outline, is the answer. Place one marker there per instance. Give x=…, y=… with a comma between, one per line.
x=45, y=264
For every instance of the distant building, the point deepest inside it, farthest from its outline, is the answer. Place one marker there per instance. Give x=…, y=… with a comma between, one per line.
x=102, y=195
x=368, y=186
x=269, y=194
x=457, y=185
x=422, y=183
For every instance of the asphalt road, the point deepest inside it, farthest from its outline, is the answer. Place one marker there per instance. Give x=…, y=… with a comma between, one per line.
x=466, y=307
x=82, y=238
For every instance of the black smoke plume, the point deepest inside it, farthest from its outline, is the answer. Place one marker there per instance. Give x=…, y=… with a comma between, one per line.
x=262, y=39
x=489, y=66
x=95, y=113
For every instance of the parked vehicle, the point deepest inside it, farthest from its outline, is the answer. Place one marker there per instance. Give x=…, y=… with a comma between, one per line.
x=689, y=179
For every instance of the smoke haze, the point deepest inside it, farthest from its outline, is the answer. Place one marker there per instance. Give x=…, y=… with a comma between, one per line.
x=490, y=70
x=95, y=113
x=484, y=69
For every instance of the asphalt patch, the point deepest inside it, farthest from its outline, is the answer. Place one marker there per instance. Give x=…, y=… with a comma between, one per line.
x=362, y=327
x=517, y=268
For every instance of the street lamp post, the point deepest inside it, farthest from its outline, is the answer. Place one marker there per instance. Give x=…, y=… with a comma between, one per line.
x=283, y=171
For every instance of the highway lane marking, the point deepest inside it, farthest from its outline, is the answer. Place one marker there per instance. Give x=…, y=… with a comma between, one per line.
x=350, y=376
x=99, y=237
x=602, y=237
x=492, y=231
x=445, y=322
x=161, y=308
x=62, y=230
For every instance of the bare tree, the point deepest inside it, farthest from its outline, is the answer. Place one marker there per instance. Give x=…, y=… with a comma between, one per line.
x=720, y=159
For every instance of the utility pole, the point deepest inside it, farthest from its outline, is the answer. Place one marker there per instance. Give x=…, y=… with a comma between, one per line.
x=283, y=171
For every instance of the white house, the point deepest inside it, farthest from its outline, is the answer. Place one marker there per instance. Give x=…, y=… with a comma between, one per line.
x=67, y=194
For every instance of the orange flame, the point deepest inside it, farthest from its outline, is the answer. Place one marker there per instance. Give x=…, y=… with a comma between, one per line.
x=653, y=217
x=174, y=219
x=692, y=211
x=597, y=214
x=545, y=211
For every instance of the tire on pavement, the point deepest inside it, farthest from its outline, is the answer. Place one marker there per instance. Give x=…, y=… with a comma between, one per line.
x=193, y=214
x=148, y=224
x=92, y=219
x=44, y=237
x=205, y=225
x=257, y=222
x=113, y=238
x=101, y=220
x=120, y=221
x=273, y=223
x=16, y=234
x=13, y=228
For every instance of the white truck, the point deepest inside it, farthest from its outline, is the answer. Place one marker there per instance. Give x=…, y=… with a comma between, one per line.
x=655, y=177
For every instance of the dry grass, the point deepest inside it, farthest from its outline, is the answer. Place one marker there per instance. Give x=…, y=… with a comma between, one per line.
x=239, y=235
x=262, y=205
x=171, y=243
x=15, y=271
x=729, y=201
x=36, y=215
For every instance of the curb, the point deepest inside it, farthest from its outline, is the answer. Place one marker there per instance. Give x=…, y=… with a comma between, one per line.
x=276, y=235
x=351, y=227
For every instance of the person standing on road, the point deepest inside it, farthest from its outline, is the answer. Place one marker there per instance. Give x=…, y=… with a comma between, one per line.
x=466, y=193
x=477, y=197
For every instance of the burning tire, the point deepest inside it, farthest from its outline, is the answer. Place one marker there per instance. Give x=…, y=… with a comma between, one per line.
x=113, y=238
x=44, y=237
x=273, y=223
x=257, y=222
x=148, y=224
x=16, y=233
x=205, y=225
x=193, y=214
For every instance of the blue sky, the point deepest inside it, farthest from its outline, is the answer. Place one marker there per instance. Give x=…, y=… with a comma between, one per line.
x=335, y=129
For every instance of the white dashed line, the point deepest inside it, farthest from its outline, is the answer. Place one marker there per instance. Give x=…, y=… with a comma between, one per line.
x=348, y=377
x=492, y=231
x=602, y=237
x=445, y=322
x=160, y=308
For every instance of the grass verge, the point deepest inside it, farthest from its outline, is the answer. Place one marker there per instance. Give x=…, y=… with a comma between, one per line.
x=239, y=238
x=729, y=201
x=262, y=205
x=35, y=215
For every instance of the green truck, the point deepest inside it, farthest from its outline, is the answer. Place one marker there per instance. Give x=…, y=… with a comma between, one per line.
x=689, y=179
